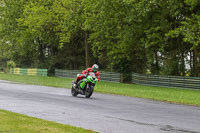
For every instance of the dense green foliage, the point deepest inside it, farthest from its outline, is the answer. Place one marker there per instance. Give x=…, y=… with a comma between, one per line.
x=158, y=36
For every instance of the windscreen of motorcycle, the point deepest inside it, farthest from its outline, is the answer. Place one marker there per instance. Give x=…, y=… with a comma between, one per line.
x=92, y=74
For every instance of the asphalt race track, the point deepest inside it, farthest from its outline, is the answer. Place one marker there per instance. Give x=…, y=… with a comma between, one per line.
x=102, y=113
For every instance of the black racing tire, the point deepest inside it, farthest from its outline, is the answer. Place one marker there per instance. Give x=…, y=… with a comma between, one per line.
x=89, y=92
x=73, y=92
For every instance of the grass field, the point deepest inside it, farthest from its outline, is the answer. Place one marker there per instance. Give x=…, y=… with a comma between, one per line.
x=174, y=95
x=16, y=123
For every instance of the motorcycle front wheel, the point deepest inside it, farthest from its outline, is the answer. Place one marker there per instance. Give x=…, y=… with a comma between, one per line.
x=88, y=92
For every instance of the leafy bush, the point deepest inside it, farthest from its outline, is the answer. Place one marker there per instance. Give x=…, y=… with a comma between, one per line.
x=11, y=64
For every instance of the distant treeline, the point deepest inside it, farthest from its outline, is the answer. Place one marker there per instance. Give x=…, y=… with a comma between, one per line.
x=142, y=36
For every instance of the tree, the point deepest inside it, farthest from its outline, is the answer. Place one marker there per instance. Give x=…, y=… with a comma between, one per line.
x=189, y=30
x=10, y=11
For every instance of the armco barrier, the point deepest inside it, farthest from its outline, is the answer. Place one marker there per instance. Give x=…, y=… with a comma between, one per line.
x=29, y=71
x=110, y=76
x=166, y=81
x=66, y=73
x=104, y=76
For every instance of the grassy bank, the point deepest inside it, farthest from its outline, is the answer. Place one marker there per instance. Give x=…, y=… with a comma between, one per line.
x=183, y=96
x=16, y=123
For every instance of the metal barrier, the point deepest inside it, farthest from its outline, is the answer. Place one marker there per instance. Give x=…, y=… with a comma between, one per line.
x=152, y=80
x=29, y=71
x=67, y=73
x=110, y=76
x=104, y=76
x=166, y=81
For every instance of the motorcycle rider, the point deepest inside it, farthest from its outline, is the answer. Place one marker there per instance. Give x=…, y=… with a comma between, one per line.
x=86, y=72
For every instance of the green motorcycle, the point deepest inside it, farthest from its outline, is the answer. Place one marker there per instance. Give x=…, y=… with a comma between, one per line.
x=85, y=86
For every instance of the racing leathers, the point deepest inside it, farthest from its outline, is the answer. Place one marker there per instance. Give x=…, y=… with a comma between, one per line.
x=85, y=73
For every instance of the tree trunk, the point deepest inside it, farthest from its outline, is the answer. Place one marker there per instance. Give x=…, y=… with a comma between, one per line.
x=182, y=63
x=157, y=64
x=195, y=63
x=191, y=60
x=41, y=54
x=86, y=51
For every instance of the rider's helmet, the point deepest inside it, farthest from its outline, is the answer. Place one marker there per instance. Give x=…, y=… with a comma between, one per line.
x=95, y=67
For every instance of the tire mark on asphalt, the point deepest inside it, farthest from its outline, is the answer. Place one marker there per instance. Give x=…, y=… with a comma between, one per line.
x=166, y=128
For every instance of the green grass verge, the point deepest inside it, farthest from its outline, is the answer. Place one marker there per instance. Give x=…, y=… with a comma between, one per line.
x=17, y=123
x=174, y=95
